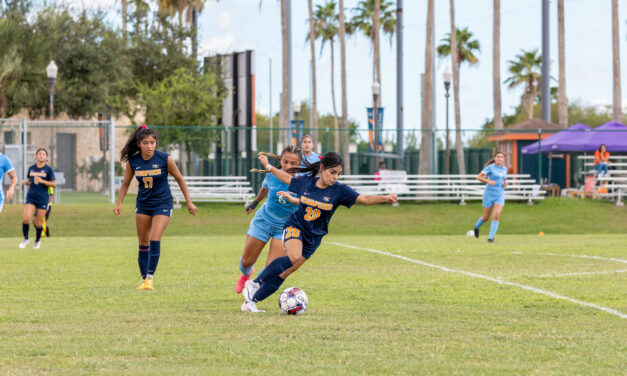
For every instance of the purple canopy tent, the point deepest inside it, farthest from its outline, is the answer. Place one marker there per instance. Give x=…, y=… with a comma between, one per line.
x=613, y=134
x=558, y=141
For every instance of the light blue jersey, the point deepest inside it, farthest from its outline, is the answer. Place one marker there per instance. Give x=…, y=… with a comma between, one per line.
x=276, y=209
x=494, y=194
x=5, y=166
x=311, y=159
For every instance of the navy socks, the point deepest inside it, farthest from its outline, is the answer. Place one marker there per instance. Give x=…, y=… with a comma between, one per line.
x=153, y=257
x=38, y=231
x=269, y=279
x=268, y=288
x=142, y=259
x=25, y=228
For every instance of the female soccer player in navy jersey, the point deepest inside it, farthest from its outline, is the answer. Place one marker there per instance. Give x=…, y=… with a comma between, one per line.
x=154, y=200
x=319, y=197
x=267, y=225
x=494, y=174
x=40, y=176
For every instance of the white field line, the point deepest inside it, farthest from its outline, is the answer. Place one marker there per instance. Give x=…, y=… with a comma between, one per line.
x=495, y=280
x=581, y=273
x=588, y=257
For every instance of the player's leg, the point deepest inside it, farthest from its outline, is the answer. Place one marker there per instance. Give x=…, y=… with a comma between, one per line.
x=46, y=224
x=159, y=224
x=38, y=223
x=252, y=250
x=143, y=222
x=484, y=217
x=27, y=214
x=494, y=225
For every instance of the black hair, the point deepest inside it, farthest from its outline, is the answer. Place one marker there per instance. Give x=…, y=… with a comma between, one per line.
x=382, y=163
x=600, y=146
x=40, y=149
x=493, y=158
x=132, y=144
x=328, y=160
x=288, y=149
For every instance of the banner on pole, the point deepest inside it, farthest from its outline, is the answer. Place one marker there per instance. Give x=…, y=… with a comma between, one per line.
x=297, y=131
x=375, y=136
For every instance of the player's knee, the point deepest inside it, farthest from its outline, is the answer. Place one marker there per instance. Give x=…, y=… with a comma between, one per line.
x=247, y=262
x=296, y=259
x=495, y=217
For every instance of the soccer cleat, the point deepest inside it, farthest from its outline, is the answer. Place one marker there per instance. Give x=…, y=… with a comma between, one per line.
x=37, y=245
x=476, y=232
x=490, y=240
x=239, y=286
x=141, y=286
x=148, y=284
x=250, y=289
x=23, y=243
x=251, y=307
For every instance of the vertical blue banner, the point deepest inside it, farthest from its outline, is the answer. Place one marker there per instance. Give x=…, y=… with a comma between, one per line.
x=297, y=131
x=375, y=135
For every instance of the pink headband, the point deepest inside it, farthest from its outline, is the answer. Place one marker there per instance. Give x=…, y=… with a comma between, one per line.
x=144, y=126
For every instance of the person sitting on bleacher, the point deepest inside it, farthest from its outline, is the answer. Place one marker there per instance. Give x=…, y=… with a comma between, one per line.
x=601, y=160
x=377, y=175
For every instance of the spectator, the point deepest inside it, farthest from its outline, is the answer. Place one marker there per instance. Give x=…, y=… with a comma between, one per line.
x=377, y=175
x=601, y=160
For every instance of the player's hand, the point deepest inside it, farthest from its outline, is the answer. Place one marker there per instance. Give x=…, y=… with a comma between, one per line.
x=117, y=210
x=393, y=198
x=37, y=180
x=24, y=182
x=191, y=208
x=250, y=207
x=491, y=182
x=264, y=160
x=10, y=193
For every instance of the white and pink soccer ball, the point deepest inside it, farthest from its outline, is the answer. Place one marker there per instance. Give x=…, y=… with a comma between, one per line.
x=293, y=301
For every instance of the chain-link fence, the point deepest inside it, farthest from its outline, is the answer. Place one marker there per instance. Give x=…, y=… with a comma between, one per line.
x=81, y=152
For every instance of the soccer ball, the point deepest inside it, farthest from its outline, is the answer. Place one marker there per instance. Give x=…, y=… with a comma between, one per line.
x=293, y=301
x=470, y=233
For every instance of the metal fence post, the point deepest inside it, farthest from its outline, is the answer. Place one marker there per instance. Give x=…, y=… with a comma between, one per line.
x=539, y=156
x=24, y=155
x=112, y=164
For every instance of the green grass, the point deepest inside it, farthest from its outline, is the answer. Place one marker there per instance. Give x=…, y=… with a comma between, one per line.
x=71, y=308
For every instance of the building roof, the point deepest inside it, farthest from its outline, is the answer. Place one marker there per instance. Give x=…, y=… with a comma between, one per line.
x=525, y=130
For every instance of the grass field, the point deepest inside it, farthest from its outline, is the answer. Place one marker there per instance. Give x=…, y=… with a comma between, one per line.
x=432, y=304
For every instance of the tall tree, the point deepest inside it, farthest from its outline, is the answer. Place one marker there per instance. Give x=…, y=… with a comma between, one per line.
x=326, y=28
x=124, y=8
x=285, y=106
x=467, y=48
x=345, y=131
x=427, y=86
x=525, y=70
x=562, y=100
x=314, y=99
x=617, y=105
x=496, y=65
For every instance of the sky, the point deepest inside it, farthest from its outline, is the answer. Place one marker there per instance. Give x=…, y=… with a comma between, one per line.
x=237, y=25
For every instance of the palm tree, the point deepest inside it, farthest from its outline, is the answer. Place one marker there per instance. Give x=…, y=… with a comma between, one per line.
x=496, y=65
x=363, y=19
x=172, y=7
x=562, y=100
x=314, y=104
x=284, y=96
x=326, y=28
x=342, y=35
x=194, y=8
x=617, y=107
x=525, y=70
x=427, y=85
x=124, y=6
x=466, y=48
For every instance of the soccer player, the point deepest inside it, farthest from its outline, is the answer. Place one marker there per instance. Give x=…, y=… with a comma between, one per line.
x=267, y=224
x=494, y=174
x=319, y=197
x=153, y=207
x=6, y=167
x=40, y=178
x=307, y=145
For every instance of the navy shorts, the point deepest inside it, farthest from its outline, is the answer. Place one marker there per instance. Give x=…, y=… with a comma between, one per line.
x=310, y=244
x=37, y=204
x=161, y=210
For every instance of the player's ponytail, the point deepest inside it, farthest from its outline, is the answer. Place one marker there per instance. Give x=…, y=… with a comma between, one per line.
x=328, y=160
x=132, y=144
x=288, y=149
x=493, y=158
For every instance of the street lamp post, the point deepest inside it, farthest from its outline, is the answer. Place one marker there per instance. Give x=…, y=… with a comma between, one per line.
x=51, y=71
x=447, y=152
x=376, y=90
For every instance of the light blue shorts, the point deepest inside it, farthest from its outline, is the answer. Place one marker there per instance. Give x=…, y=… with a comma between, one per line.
x=489, y=199
x=262, y=230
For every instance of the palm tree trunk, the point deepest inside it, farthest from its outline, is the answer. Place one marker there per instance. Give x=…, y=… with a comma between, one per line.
x=562, y=100
x=181, y=30
x=285, y=133
x=336, y=136
x=617, y=106
x=314, y=99
x=124, y=5
x=376, y=25
x=345, y=138
x=427, y=85
x=530, y=98
x=496, y=65
x=456, y=63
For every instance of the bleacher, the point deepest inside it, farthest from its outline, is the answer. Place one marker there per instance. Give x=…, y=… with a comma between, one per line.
x=213, y=189
x=612, y=186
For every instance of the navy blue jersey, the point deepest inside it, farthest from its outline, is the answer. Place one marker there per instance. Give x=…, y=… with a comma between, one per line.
x=317, y=205
x=152, y=176
x=39, y=192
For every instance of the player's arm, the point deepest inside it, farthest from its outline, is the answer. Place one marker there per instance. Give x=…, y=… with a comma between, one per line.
x=482, y=177
x=11, y=189
x=263, y=192
x=373, y=200
x=280, y=174
x=291, y=199
x=128, y=175
x=51, y=183
x=176, y=174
